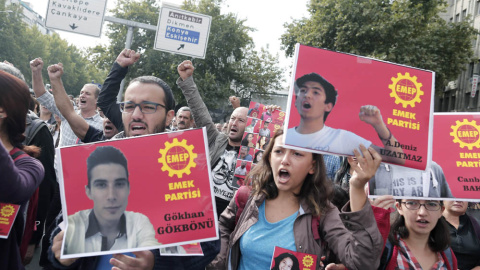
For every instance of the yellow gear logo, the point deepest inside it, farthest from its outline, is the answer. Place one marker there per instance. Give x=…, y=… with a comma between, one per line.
x=466, y=134
x=406, y=90
x=7, y=210
x=281, y=115
x=307, y=261
x=177, y=158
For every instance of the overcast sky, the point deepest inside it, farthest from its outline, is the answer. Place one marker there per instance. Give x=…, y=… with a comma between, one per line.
x=267, y=16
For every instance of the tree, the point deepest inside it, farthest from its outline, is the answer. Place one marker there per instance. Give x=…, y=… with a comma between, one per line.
x=409, y=32
x=231, y=66
x=21, y=43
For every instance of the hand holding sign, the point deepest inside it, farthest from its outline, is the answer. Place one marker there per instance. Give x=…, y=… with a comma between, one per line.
x=57, y=248
x=143, y=260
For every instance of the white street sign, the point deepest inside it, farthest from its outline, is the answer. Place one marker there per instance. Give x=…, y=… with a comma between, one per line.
x=182, y=32
x=76, y=16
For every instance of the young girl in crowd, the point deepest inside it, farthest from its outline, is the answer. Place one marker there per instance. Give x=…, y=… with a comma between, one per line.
x=20, y=174
x=418, y=238
x=289, y=189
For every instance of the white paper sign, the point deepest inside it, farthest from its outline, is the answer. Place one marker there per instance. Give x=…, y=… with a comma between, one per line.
x=76, y=16
x=182, y=32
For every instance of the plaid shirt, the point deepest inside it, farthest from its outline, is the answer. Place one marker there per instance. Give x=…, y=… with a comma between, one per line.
x=406, y=260
x=332, y=164
x=67, y=137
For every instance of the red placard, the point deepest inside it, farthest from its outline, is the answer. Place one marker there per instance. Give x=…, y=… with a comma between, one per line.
x=287, y=259
x=456, y=148
x=402, y=94
x=169, y=183
x=8, y=213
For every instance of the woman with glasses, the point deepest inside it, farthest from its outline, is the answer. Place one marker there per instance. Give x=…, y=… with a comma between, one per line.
x=464, y=233
x=418, y=238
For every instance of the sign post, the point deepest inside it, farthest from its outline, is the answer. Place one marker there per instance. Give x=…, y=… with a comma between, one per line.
x=182, y=32
x=77, y=16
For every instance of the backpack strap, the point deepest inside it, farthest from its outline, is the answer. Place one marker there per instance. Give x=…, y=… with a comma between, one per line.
x=449, y=255
x=32, y=130
x=241, y=198
x=386, y=255
x=476, y=226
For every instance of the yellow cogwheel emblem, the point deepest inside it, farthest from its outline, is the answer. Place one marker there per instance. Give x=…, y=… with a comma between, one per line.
x=307, y=261
x=466, y=134
x=281, y=115
x=177, y=158
x=7, y=210
x=406, y=90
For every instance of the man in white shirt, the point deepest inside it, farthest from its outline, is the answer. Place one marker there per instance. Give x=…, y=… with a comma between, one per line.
x=87, y=104
x=107, y=226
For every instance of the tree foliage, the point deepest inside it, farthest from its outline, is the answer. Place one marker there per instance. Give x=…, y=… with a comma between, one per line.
x=231, y=67
x=21, y=43
x=409, y=32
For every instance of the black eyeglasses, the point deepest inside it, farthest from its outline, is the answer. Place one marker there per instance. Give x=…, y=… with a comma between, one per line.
x=146, y=107
x=430, y=206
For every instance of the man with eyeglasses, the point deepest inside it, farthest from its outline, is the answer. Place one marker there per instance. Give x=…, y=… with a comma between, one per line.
x=147, y=109
x=406, y=182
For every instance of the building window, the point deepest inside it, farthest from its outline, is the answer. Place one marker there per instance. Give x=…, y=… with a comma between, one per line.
x=457, y=17
x=464, y=14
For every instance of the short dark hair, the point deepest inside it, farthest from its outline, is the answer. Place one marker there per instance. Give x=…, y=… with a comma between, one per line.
x=105, y=155
x=330, y=91
x=169, y=99
x=439, y=238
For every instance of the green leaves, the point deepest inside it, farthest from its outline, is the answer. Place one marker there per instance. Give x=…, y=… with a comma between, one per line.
x=232, y=66
x=406, y=32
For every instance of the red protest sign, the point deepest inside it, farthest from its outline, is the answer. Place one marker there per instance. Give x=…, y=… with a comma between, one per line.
x=338, y=101
x=163, y=192
x=456, y=148
x=8, y=213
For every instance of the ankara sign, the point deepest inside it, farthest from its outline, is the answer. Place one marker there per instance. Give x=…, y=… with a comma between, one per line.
x=182, y=32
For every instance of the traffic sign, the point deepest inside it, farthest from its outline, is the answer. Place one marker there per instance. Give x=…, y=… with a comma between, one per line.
x=76, y=16
x=182, y=32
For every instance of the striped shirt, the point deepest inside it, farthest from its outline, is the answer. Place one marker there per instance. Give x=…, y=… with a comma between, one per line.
x=67, y=136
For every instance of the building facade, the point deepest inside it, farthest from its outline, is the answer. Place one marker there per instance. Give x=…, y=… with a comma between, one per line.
x=30, y=17
x=458, y=95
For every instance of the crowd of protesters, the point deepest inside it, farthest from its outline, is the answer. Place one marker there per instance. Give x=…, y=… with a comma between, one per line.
x=304, y=202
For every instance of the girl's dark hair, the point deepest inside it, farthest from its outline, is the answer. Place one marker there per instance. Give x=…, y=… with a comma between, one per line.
x=439, y=238
x=316, y=189
x=279, y=258
x=14, y=99
x=340, y=196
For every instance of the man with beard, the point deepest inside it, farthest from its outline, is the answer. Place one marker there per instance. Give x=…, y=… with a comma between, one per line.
x=184, y=118
x=223, y=147
x=87, y=104
x=148, y=106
